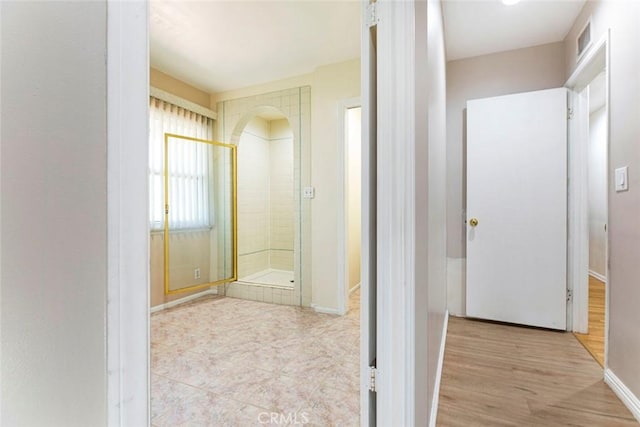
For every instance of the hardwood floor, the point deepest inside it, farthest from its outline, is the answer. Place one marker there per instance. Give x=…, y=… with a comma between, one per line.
x=499, y=375
x=594, y=340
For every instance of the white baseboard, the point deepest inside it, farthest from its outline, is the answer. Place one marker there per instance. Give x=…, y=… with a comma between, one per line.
x=598, y=276
x=325, y=310
x=211, y=291
x=436, y=386
x=355, y=288
x=629, y=399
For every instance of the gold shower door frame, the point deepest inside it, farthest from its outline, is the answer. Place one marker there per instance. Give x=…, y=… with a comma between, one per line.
x=234, y=215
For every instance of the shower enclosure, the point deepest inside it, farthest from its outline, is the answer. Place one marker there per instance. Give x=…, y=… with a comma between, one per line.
x=200, y=207
x=272, y=134
x=266, y=214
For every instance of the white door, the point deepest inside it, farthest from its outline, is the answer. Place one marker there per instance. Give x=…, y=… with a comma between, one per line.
x=517, y=208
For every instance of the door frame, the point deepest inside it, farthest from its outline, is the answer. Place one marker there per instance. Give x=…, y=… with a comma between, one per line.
x=343, y=203
x=127, y=322
x=401, y=376
x=593, y=62
x=368, y=242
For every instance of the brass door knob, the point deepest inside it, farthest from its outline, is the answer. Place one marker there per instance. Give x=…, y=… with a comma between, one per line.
x=473, y=222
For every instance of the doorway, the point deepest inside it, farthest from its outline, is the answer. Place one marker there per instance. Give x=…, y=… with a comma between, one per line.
x=597, y=217
x=138, y=28
x=351, y=189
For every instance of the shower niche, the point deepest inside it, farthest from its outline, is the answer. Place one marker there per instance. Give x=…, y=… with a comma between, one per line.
x=271, y=133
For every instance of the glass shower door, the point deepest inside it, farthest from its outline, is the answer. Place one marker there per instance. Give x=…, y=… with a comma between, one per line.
x=200, y=225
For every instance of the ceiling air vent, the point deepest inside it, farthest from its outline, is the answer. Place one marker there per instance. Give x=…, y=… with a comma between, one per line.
x=584, y=39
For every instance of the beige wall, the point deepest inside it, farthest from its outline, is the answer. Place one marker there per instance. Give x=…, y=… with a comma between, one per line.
x=623, y=20
x=165, y=82
x=354, y=193
x=298, y=81
x=522, y=70
x=54, y=213
x=330, y=85
x=190, y=250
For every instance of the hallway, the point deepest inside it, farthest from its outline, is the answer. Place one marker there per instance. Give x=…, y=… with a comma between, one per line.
x=499, y=375
x=593, y=341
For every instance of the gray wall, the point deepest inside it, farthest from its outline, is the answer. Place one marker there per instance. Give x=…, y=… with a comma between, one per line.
x=53, y=215
x=437, y=196
x=623, y=20
x=430, y=202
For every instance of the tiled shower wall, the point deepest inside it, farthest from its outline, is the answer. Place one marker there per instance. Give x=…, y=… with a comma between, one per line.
x=253, y=198
x=282, y=204
x=233, y=117
x=266, y=219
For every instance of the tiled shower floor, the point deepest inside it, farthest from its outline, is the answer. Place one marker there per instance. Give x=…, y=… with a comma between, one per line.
x=271, y=277
x=221, y=361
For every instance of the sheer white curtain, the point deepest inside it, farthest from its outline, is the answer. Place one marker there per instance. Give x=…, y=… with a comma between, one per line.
x=189, y=166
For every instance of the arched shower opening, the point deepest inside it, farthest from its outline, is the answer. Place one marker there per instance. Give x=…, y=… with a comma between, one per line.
x=267, y=210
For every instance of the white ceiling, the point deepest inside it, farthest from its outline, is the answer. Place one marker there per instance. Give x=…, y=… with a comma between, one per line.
x=479, y=27
x=222, y=45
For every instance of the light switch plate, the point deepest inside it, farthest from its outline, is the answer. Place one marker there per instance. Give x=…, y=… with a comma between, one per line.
x=622, y=179
x=309, y=192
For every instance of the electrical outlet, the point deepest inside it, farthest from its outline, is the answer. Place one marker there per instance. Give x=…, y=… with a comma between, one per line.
x=196, y=273
x=309, y=192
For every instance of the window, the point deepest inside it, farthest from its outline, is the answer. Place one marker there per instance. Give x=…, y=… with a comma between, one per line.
x=189, y=166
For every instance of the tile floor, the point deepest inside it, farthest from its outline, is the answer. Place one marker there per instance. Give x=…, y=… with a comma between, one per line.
x=221, y=361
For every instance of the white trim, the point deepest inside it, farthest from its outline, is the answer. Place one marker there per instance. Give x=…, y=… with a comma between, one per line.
x=211, y=291
x=395, y=258
x=592, y=63
x=355, y=288
x=627, y=397
x=325, y=310
x=577, y=210
x=127, y=323
x=181, y=102
x=607, y=300
x=598, y=276
x=436, y=387
x=583, y=73
x=368, y=289
x=343, y=211
x=1, y=341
